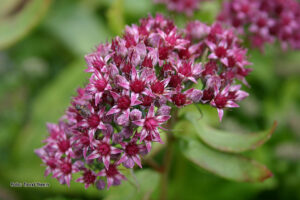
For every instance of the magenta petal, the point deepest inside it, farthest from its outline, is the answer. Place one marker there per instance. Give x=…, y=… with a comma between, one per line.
x=144, y=134
x=113, y=110
x=122, y=159
x=220, y=113
x=121, y=81
x=139, y=122
x=151, y=111
x=137, y=160
x=98, y=96
x=115, y=150
x=148, y=146
x=163, y=118
x=106, y=161
x=68, y=179
x=110, y=181
x=101, y=173
x=93, y=155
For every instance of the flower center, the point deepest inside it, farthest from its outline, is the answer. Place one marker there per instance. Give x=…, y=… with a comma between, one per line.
x=51, y=163
x=107, y=98
x=210, y=68
x=100, y=85
x=66, y=168
x=112, y=171
x=98, y=64
x=129, y=40
x=261, y=22
x=220, y=52
x=186, y=69
x=127, y=68
x=175, y=81
x=89, y=177
x=167, y=67
x=158, y=87
x=147, y=62
x=163, y=53
x=231, y=61
x=64, y=145
x=118, y=60
x=104, y=149
x=124, y=102
x=208, y=94
x=220, y=101
x=232, y=95
x=137, y=86
x=179, y=99
x=132, y=149
x=147, y=101
x=184, y=53
x=151, y=123
x=94, y=120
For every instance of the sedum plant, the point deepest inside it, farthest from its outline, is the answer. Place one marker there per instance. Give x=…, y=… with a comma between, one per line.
x=264, y=21
x=138, y=84
x=187, y=7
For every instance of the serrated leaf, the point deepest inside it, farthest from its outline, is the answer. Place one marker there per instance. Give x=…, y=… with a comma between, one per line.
x=229, y=166
x=228, y=141
x=20, y=19
x=147, y=183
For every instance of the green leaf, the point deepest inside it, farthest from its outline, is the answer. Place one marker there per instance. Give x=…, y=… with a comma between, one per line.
x=115, y=16
x=208, y=12
x=227, y=141
x=147, y=182
x=19, y=19
x=140, y=8
x=229, y=166
x=76, y=26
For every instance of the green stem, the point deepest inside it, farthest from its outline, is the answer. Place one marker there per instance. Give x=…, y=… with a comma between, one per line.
x=168, y=156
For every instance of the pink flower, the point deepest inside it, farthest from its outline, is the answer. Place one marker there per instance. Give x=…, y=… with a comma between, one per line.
x=264, y=21
x=151, y=123
x=88, y=178
x=98, y=85
x=64, y=170
x=113, y=176
x=132, y=150
x=103, y=150
x=93, y=121
x=185, y=6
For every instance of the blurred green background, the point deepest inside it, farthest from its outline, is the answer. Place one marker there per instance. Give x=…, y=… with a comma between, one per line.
x=42, y=48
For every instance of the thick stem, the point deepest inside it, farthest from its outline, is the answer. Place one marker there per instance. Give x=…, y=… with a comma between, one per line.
x=153, y=165
x=168, y=156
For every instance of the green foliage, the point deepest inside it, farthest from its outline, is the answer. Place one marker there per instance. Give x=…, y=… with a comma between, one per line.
x=115, y=16
x=17, y=20
x=76, y=26
x=146, y=183
x=228, y=141
x=230, y=166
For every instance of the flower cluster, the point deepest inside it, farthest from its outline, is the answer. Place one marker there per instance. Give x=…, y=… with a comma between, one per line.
x=265, y=21
x=135, y=81
x=223, y=62
x=182, y=6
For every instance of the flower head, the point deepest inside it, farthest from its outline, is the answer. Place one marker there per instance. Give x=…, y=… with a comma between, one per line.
x=264, y=21
x=135, y=81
